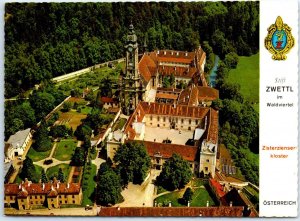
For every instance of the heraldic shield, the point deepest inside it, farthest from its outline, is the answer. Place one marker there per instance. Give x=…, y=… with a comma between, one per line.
x=279, y=40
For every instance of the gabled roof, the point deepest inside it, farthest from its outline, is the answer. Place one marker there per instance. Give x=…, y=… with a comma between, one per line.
x=188, y=153
x=213, y=126
x=147, y=67
x=177, y=71
x=29, y=188
x=18, y=138
x=162, y=109
x=193, y=95
x=218, y=188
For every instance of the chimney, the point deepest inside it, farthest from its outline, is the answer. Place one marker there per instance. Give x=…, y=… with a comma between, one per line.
x=177, y=53
x=207, y=203
x=118, y=208
x=20, y=186
x=186, y=54
x=157, y=52
x=43, y=186
x=165, y=52
x=188, y=204
x=68, y=185
x=139, y=112
x=170, y=204
x=172, y=53
x=57, y=185
x=29, y=183
x=135, y=118
x=155, y=203
x=52, y=188
x=230, y=204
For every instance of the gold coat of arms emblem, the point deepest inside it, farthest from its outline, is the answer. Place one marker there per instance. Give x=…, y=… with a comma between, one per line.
x=279, y=40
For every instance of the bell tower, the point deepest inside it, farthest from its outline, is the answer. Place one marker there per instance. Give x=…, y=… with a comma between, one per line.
x=131, y=87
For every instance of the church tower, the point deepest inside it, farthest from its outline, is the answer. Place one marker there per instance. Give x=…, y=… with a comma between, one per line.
x=131, y=87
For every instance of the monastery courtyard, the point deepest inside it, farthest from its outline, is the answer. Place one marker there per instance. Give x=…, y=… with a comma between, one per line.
x=155, y=134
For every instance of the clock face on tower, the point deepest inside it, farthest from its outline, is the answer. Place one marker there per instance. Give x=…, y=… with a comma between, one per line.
x=130, y=49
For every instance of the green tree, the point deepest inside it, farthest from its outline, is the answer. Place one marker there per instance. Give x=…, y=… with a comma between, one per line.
x=231, y=60
x=78, y=158
x=13, y=126
x=108, y=191
x=133, y=162
x=42, y=141
x=82, y=131
x=188, y=195
x=60, y=131
x=28, y=170
x=42, y=103
x=66, y=106
x=176, y=173
x=61, y=175
x=44, y=177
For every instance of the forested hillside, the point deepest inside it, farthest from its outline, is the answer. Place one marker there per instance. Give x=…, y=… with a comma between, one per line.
x=44, y=40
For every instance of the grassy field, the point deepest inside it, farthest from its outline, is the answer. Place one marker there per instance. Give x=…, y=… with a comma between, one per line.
x=37, y=156
x=200, y=197
x=53, y=171
x=88, y=193
x=247, y=75
x=65, y=149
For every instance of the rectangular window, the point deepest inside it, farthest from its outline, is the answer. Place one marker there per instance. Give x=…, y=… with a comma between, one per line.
x=73, y=196
x=190, y=121
x=41, y=197
x=182, y=121
x=197, y=122
x=191, y=165
x=207, y=160
x=151, y=117
x=36, y=197
x=164, y=119
x=206, y=169
x=158, y=118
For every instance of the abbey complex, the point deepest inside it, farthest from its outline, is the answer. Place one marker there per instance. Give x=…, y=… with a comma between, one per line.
x=160, y=101
x=168, y=120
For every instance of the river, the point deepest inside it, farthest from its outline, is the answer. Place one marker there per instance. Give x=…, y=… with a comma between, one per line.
x=213, y=72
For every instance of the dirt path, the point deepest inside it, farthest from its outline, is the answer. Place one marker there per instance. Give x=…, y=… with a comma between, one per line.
x=55, y=162
x=53, y=149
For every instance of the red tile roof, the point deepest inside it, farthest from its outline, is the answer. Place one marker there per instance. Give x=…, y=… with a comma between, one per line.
x=147, y=67
x=37, y=188
x=173, y=90
x=149, y=64
x=174, y=110
x=172, y=211
x=193, y=95
x=213, y=126
x=177, y=71
x=108, y=100
x=166, y=96
x=217, y=187
x=188, y=153
x=207, y=93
